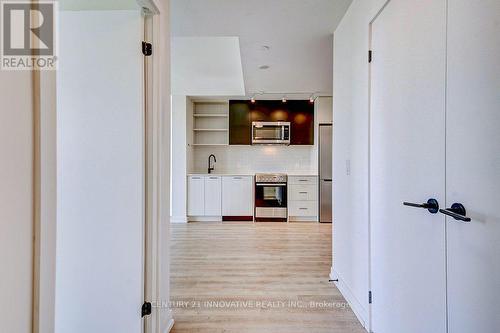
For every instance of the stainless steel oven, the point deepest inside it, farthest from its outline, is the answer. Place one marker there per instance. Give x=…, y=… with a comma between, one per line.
x=271, y=132
x=271, y=198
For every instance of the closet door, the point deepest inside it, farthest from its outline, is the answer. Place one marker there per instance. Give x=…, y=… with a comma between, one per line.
x=473, y=165
x=100, y=176
x=408, y=164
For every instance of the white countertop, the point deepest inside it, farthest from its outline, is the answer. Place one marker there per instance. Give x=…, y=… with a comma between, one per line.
x=248, y=174
x=220, y=174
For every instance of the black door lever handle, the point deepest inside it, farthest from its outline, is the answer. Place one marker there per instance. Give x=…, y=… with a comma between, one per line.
x=431, y=205
x=457, y=211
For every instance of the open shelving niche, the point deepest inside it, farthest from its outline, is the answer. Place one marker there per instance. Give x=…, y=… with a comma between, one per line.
x=210, y=123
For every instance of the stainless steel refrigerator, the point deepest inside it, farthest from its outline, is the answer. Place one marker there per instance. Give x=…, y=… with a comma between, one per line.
x=325, y=172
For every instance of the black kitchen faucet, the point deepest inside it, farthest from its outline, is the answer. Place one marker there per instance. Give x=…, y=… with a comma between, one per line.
x=210, y=168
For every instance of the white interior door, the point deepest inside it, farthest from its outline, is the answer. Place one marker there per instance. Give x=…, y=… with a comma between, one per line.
x=407, y=164
x=16, y=201
x=100, y=232
x=473, y=165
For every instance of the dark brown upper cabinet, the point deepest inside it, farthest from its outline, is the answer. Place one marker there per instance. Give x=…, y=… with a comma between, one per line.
x=299, y=113
x=240, y=125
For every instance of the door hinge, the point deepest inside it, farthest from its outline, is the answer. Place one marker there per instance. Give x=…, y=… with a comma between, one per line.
x=370, y=56
x=146, y=309
x=369, y=297
x=147, y=49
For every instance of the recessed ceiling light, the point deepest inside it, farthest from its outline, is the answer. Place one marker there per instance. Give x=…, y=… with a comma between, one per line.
x=264, y=67
x=265, y=47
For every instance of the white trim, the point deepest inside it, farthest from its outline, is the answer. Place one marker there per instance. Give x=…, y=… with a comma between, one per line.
x=170, y=325
x=150, y=5
x=369, y=323
x=161, y=319
x=356, y=306
x=178, y=219
x=333, y=274
x=303, y=219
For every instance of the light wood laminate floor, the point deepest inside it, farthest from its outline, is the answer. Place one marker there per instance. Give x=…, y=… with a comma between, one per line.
x=243, y=277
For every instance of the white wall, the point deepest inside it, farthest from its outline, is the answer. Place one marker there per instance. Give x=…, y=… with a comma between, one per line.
x=16, y=201
x=179, y=159
x=99, y=283
x=350, y=104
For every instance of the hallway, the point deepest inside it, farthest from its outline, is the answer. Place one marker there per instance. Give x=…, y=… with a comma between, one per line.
x=263, y=277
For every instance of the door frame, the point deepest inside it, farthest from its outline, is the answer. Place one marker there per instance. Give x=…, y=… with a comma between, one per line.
x=156, y=281
x=370, y=48
x=376, y=15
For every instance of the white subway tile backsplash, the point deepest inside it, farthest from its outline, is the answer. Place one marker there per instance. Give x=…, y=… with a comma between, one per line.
x=253, y=159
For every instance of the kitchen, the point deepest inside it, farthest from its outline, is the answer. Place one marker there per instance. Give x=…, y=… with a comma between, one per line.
x=251, y=170
x=259, y=159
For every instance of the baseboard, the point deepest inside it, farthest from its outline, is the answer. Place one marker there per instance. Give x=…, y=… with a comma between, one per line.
x=170, y=325
x=205, y=218
x=178, y=219
x=357, y=307
x=333, y=274
x=302, y=219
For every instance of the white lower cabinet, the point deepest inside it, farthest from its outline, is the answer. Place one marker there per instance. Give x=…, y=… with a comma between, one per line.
x=303, y=198
x=216, y=196
x=213, y=196
x=237, y=196
x=204, y=196
x=196, y=196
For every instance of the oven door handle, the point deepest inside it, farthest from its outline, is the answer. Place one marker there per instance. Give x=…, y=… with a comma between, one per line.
x=270, y=184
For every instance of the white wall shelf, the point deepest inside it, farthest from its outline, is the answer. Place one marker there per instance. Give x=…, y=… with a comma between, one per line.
x=211, y=130
x=209, y=144
x=208, y=115
x=210, y=124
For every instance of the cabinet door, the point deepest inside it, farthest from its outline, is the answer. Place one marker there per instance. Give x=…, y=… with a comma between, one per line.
x=213, y=193
x=408, y=275
x=237, y=196
x=196, y=196
x=240, y=130
x=301, y=114
x=473, y=165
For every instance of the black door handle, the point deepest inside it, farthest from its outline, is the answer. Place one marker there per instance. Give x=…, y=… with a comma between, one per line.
x=431, y=205
x=457, y=211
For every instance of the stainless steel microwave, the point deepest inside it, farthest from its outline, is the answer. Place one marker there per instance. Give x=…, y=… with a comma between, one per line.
x=270, y=133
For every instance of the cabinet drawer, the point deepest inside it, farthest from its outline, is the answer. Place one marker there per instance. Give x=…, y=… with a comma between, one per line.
x=245, y=179
x=303, y=192
x=303, y=208
x=302, y=180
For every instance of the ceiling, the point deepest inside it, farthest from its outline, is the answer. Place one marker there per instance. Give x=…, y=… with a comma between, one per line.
x=299, y=34
x=97, y=4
